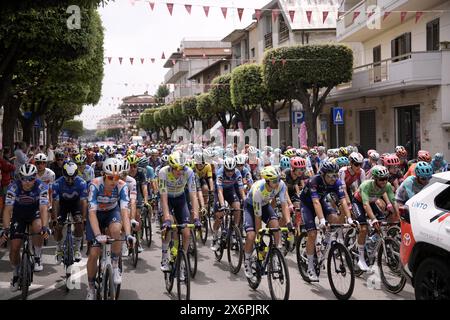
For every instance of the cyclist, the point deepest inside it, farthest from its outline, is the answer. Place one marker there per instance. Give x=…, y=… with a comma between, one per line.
x=257, y=208
x=422, y=155
x=84, y=171
x=402, y=154
x=295, y=179
x=247, y=179
x=341, y=162
x=254, y=162
x=365, y=206
x=205, y=174
x=98, y=164
x=57, y=165
x=154, y=159
x=26, y=204
x=314, y=159
x=69, y=196
x=173, y=180
x=44, y=174
x=352, y=176
x=392, y=163
x=414, y=184
x=313, y=203
x=370, y=161
x=108, y=208
x=438, y=163
x=228, y=179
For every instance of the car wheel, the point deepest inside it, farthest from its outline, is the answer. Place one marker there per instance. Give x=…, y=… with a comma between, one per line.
x=432, y=280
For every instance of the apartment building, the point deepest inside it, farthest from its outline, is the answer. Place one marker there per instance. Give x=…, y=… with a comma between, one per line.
x=400, y=93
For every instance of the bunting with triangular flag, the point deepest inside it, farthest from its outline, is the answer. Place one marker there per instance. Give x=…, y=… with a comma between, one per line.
x=418, y=15
x=120, y=60
x=291, y=15
x=257, y=14
x=240, y=12
x=109, y=59
x=188, y=8
x=224, y=12
x=163, y=56
x=324, y=16
x=355, y=15
x=206, y=9
x=275, y=13
x=308, y=15
x=170, y=7
x=403, y=16
x=131, y=60
x=386, y=14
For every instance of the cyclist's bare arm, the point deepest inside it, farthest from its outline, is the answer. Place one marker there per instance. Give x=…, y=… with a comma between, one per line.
x=211, y=184
x=285, y=211
x=55, y=210
x=125, y=214
x=84, y=207
x=43, y=210
x=165, y=206
x=220, y=196
x=7, y=212
x=318, y=208
x=194, y=203
x=368, y=210
x=94, y=222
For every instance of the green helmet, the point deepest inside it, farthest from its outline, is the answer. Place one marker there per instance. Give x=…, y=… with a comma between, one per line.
x=379, y=172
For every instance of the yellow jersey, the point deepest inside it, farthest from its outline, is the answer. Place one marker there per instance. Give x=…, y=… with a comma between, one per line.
x=205, y=173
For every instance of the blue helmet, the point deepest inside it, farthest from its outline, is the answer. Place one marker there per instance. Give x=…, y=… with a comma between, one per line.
x=342, y=162
x=423, y=170
x=99, y=157
x=285, y=163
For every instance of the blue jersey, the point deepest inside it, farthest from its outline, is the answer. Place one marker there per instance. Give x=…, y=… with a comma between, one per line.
x=225, y=182
x=150, y=173
x=100, y=200
x=88, y=173
x=442, y=167
x=246, y=174
x=317, y=188
x=27, y=200
x=63, y=191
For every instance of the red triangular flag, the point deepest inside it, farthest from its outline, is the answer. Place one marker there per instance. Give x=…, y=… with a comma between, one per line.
x=369, y=14
x=258, y=14
x=386, y=14
x=163, y=56
x=418, y=15
x=308, y=15
x=174, y=61
x=224, y=12
x=142, y=60
x=240, y=11
x=403, y=16
x=292, y=14
x=188, y=8
x=152, y=5
x=109, y=59
x=273, y=61
x=355, y=15
x=206, y=9
x=275, y=13
x=324, y=16
x=283, y=61
x=153, y=60
x=132, y=2
x=120, y=60
x=170, y=7
x=131, y=60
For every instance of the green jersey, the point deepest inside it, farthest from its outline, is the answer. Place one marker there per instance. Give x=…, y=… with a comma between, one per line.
x=368, y=191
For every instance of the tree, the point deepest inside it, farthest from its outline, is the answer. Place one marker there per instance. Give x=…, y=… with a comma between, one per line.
x=247, y=91
x=307, y=74
x=162, y=92
x=74, y=128
x=221, y=99
x=204, y=106
x=189, y=105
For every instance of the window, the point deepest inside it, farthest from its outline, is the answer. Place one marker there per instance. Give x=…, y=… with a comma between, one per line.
x=401, y=46
x=377, y=64
x=253, y=52
x=283, y=30
x=433, y=35
x=442, y=201
x=225, y=67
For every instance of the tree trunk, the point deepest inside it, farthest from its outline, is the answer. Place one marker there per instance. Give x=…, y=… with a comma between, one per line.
x=27, y=127
x=11, y=111
x=311, y=127
x=54, y=135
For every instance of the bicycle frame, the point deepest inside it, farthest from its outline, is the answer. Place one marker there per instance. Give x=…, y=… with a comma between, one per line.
x=270, y=233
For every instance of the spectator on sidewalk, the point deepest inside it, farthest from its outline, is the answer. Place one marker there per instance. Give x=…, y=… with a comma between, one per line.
x=20, y=155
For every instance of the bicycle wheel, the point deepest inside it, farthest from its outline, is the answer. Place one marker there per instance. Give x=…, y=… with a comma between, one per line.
x=183, y=277
x=147, y=226
x=219, y=252
x=117, y=287
x=390, y=267
x=340, y=271
x=108, y=284
x=256, y=270
x=278, y=276
x=204, y=230
x=235, y=250
x=169, y=277
x=25, y=274
x=302, y=260
x=192, y=254
x=135, y=251
x=68, y=259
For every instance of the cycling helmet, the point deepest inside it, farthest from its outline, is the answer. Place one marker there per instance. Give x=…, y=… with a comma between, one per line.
x=356, y=157
x=401, y=152
x=40, y=157
x=154, y=152
x=133, y=159
x=229, y=163
x=191, y=164
x=285, y=163
x=164, y=158
x=342, y=162
x=328, y=166
x=330, y=153
x=290, y=153
x=277, y=150
x=303, y=153
x=423, y=155
x=112, y=166
x=270, y=173
x=298, y=163
x=143, y=162
x=148, y=151
x=240, y=159
x=313, y=152
x=335, y=153
x=391, y=160
x=59, y=155
x=423, y=170
x=252, y=150
x=198, y=158
x=379, y=172
x=125, y=165
x=99, y=157
x=177, y=160
x=375, y=156
x=119, y=156
x=343, y=152
x=28, y=170
x=70, y=169
x=130, y=151
x=438, y=157
x=268, y=149
x=321, y=149
x=370, y=152
x=384, y=155
x=80, y=159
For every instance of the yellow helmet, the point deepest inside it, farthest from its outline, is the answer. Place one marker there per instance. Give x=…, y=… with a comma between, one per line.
x=191, y=164
x=177, y=160
x=132, y=159
x=130, y=151
x=270, y=173
x=289, y=153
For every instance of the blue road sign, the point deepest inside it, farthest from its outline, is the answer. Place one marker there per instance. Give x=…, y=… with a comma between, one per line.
x=298, y=117
x=338, y=115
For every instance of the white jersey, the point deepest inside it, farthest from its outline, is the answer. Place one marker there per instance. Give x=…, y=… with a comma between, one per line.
x=131, y=184
x=48, y=176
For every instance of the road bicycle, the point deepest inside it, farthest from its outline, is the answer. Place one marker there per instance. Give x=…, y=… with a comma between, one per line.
x=105, y=287
x=134, y=250
x=146, y=215
x=68, y=250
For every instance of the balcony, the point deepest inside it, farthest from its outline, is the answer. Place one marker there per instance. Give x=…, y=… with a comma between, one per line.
x=416, y=70
x=268, y=41
x=361, y=28
x=179, y=69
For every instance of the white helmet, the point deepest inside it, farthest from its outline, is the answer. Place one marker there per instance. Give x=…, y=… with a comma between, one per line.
x=112, y=166
x=375, y=156
x=277, y=151
x=229, y=163
x=356, y=157
x=153, y=152
x=198, y=158
x=70, y=169
x=28, y=170
x=125, y=165
x=40, y=157
x=240, y=159
x=119, y=156
x=164, y=158
x=252, y=150
x=148, y=151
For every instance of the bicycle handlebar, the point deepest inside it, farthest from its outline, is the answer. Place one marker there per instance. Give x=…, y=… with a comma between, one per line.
x=264, y=231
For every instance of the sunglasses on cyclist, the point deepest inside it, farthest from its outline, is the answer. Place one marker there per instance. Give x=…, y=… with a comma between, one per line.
x=133, y=166
x=383, y=179
x=356, y=164
x=27, y=179
x=277, y=180
x=299, y=169
x=112, y=177
x=334, y=176
x=40, y=162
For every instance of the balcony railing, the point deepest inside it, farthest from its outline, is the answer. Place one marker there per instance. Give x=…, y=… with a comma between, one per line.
x=268, y=40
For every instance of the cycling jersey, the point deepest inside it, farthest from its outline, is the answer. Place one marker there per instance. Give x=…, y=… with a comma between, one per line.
x=226, y=183
x=63, y=191
x=409, y=187
x=150, y=173
x=131, y=184
x=366, y=165
x=206, y=172
x=368, y=192
x=22, y=200
x=88, y=173
x=48, y=176
x=141, y=180
x=396, y=176
x=99, y=200
x=291, y=182
x=57, y=170
x=442, y=167
x=259, y=196
x=348, y=178
x=411, y=171
x=154, y=163
x=317, y=188
x=246, y=174
x=173, y=187
x=98, y=170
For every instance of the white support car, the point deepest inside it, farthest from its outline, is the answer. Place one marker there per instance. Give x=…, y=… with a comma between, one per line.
x=425, y=248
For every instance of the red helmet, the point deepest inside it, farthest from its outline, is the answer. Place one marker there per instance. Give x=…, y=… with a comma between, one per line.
x=391, y=160
x=298, y=163
x=423, y=155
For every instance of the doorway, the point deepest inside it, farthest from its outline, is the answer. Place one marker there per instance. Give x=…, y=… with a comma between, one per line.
x=408, y=129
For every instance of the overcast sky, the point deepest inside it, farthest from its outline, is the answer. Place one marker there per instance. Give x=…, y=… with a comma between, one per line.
x=136, y=31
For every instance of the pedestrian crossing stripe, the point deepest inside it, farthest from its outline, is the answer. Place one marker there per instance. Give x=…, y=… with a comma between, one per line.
x=338, y=117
